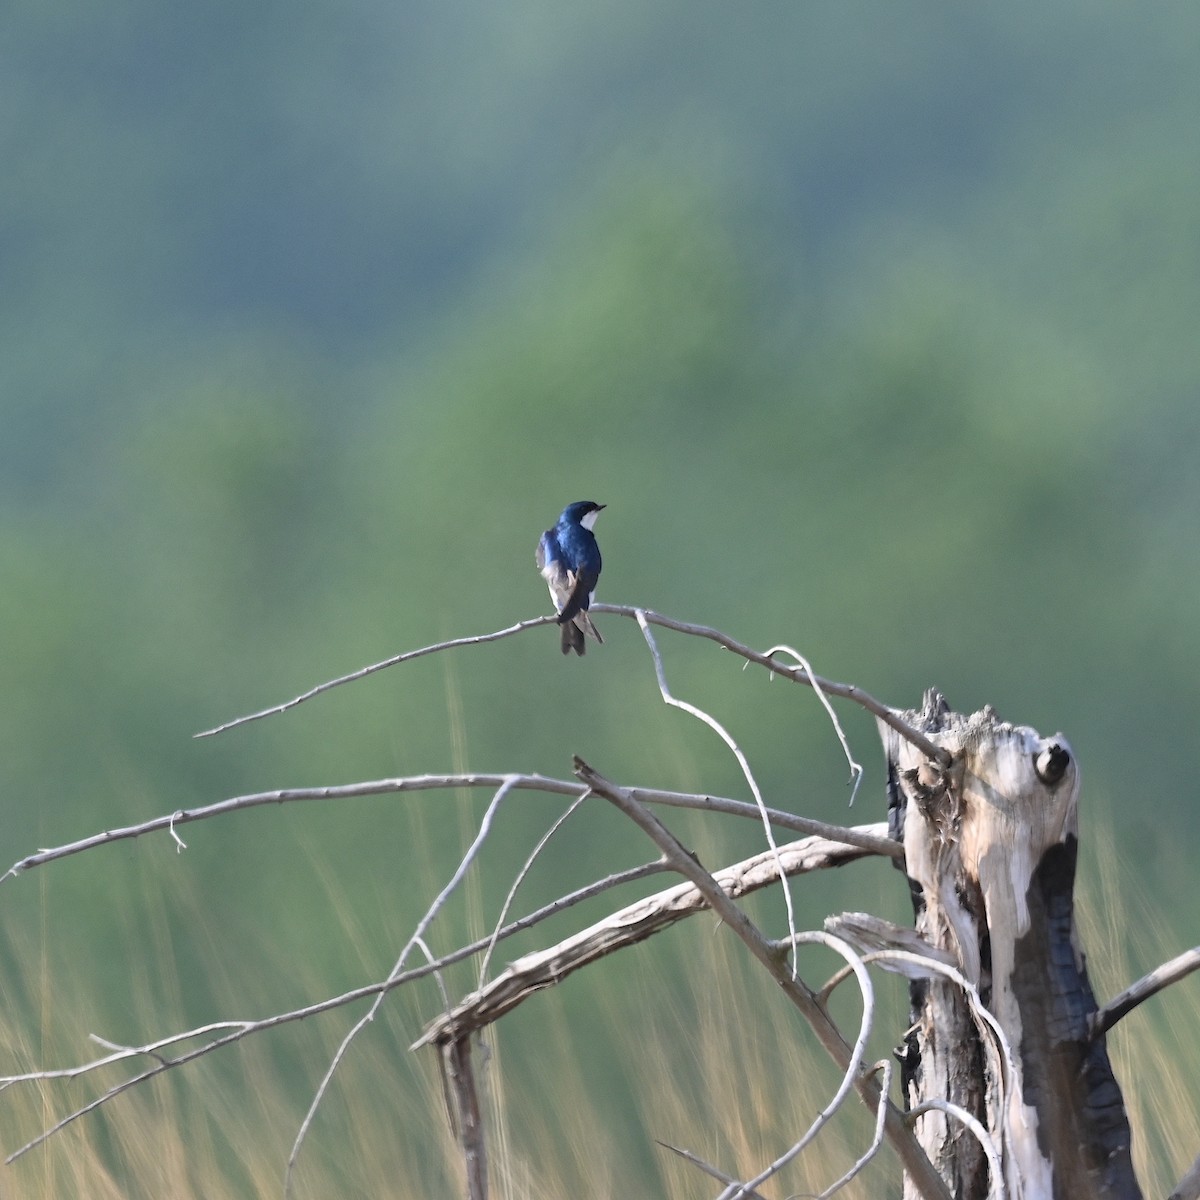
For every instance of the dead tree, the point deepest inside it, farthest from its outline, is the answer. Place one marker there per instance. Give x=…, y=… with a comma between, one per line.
x=990, y=848
x=989, y=830
x=1007, y=1090
x=990, y=835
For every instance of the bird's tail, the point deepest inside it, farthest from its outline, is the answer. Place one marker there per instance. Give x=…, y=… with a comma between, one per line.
x=585, y=626
x=573, y=631
x=572, y=638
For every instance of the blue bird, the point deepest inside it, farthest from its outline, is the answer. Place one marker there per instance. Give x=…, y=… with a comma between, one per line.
x=569, y=560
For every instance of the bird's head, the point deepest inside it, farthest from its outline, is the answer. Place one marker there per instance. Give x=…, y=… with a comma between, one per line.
x=582, y=512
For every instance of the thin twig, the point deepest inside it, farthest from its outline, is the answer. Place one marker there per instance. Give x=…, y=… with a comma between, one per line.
x=485, y=827
x=240, y=1029
x=856, y=770
x=976, y=1127
x=417, y=783
x=846, y=691
x=435, y=969
x=885, y=1087
x=707, y=1167
x=921, y=1172
x=742, y=761
x=363, y=672
x=1149, y=985
x=850, y=1075
x=512, y=891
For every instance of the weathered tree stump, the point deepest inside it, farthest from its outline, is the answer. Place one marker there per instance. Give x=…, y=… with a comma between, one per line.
x=990, y=849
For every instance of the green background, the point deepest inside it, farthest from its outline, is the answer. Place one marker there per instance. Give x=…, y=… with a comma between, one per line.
x=875, y=327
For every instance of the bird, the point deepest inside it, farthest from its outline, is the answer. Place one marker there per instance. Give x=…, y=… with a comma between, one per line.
x=569, y=560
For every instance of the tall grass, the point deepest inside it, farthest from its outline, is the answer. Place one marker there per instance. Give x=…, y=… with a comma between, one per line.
x=715, y=1063
x=681, y=1040
x=1155, y=1050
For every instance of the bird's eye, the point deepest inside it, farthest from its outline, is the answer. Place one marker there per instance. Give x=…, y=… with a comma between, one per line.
x=1051, y=763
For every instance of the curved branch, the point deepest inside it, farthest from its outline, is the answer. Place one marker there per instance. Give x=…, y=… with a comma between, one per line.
x=626, y=927
x=856, y=769
x=923, y=1175
x=976, y=1127
x=431, y=914
x=848, y=691
x=738, y=753
x=849, y=1076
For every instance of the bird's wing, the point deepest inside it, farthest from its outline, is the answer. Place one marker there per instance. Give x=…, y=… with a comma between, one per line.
x=558, y=579
x=583, y=585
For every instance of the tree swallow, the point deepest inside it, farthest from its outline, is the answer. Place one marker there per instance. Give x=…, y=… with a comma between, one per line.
x=569, y=561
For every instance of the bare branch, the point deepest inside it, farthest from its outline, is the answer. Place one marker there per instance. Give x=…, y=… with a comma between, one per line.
x=236, y=1030
x=856, y=770
x=1188, y=1188
x=810, y=854
x=1149, y=985
x=512, y=891
x=976, y=1127
x=485, y=828
x=377, y=787
x=92, y=1105
x=922, y=1174
x=847, y=691
x=742, y=761
x=853, y=1067
x=363, y=672
x=469, y=1123
x=417, y=783
x=626, y=927
x=851, y=835
x=707, y=1167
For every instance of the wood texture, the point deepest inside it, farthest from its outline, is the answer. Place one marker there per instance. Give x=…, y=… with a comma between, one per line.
x=990, y=846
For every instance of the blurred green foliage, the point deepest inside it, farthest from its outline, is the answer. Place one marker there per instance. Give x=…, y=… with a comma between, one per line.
x=875, y=330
